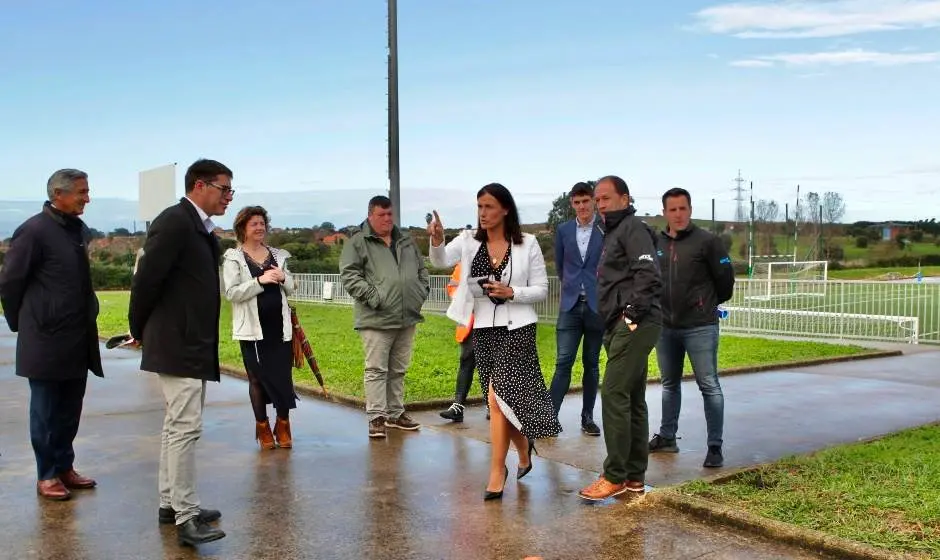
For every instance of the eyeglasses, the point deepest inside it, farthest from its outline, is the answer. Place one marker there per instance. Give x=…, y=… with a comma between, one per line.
x=226, y=191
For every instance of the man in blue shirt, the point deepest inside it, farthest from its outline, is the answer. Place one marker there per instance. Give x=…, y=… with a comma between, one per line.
x=578, y=246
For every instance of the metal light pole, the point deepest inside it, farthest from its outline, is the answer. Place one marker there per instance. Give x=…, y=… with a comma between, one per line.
x=750, y=238
x=394, y=174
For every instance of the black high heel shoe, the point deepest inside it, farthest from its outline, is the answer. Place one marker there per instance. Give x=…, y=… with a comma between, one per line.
x=488, y=495
x=521, y=472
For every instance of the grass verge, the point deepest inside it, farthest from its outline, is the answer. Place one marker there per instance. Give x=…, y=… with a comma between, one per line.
x=882, y=493
x=433, y=369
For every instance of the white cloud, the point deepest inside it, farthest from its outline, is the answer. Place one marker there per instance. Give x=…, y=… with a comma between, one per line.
x=838, y=58
x=827, y=18
x=752, y=63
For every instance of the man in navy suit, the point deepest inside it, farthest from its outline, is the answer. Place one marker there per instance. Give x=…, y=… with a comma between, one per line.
x=578, y=246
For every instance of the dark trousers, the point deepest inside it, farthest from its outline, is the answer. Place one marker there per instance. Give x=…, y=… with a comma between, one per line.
x=55, y=408
x=571, y=327
x=468, y=364
x=623, y=400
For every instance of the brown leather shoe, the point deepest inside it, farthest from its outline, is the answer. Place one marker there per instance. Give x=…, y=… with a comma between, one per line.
x=601, y=489
x=636, y=486
x=53, y=489
x=263, y=435
x=75, y=481
x=282, y=433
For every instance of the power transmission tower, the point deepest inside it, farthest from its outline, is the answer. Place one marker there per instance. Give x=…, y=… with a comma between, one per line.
x=740, y=215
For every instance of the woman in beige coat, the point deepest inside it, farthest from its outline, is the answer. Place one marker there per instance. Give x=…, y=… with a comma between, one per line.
x=257, y=282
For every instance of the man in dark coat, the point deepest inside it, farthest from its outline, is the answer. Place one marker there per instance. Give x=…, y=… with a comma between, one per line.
x=629, y=285
x=174, y=314
x=697, y=278
x=47, y=297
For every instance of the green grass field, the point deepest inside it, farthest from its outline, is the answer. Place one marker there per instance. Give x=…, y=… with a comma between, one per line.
x=883, y=493
x=432, y=373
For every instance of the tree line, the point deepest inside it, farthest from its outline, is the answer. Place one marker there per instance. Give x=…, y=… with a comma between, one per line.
x=816, y=219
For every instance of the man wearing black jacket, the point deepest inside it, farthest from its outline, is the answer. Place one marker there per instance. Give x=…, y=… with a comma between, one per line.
x=628, y=289
x=698, y=277
x=47, y=297
x=174, y=313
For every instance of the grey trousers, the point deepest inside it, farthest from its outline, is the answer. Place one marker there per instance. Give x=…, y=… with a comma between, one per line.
x=388, y=354
x=185, y=399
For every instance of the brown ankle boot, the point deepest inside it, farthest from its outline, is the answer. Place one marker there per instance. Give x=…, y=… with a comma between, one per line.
x=263, y=435
x=282, y=433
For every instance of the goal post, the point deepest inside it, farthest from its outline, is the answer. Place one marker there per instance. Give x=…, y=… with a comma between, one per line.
x=791, y=278
x=756, y=261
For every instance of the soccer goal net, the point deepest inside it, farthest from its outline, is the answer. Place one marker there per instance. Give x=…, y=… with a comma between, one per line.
x=789, y=278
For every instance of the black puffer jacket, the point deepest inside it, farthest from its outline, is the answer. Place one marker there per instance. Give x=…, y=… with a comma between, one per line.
x=697, y=277
x=628, y=278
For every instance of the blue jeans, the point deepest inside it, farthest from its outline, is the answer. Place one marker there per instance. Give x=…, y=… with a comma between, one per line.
x=55, y=410
x=571, y=327
x=701, y=344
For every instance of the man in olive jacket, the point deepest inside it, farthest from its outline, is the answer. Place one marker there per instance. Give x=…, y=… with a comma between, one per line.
x=47, y=297
x=174, y=313
x=383, y=271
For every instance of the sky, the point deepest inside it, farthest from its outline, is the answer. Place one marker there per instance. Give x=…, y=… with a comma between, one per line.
x=535, y=94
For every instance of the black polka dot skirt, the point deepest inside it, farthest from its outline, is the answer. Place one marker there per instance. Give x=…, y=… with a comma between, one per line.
x=509, y=360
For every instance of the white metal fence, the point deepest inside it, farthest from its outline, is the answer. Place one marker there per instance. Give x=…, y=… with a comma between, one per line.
x=850, y=310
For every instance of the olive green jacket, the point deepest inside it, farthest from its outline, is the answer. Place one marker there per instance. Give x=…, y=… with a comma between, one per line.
x=388, y=288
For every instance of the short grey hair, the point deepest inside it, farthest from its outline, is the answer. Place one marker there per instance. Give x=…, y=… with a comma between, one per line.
x=63, y=180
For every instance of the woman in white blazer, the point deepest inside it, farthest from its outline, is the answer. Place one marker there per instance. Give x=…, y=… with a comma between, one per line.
x=502, y=277
x=257, y=282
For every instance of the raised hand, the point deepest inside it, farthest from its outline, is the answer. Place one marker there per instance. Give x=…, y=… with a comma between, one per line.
x=436, y=230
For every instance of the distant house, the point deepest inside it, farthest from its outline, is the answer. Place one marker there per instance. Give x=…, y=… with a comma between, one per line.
x=335, y=239
x=225, y=233
x=115, y=245
x=890, y=231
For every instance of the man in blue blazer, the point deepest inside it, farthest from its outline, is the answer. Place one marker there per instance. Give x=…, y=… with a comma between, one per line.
x=578, y=246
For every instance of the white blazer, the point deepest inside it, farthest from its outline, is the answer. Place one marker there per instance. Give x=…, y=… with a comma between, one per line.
x=525, y=272
x=242, y=290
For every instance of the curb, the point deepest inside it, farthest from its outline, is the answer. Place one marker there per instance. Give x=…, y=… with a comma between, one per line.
x=357, y=402
x=301, y=389
x=807, y=363
x=807, y=539
x=315, y=392
x=444, y=403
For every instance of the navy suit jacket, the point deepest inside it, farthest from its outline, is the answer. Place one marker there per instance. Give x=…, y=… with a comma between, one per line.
x=572, y=270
